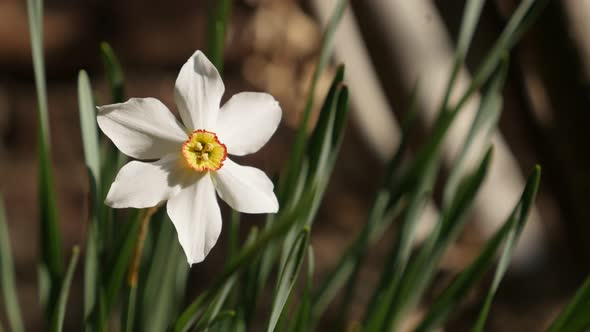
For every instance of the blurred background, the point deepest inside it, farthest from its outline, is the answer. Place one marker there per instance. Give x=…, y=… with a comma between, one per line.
x=272, y=45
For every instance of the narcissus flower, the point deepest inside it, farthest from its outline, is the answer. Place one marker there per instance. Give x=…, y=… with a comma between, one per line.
x=191, y=158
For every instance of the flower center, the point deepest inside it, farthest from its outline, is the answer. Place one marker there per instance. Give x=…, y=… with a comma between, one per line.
x=203, y=151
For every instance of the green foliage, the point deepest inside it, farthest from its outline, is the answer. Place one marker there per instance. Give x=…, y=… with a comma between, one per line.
x=275, y=254
x=7, y=284
x=574, y=316
x=51, y=266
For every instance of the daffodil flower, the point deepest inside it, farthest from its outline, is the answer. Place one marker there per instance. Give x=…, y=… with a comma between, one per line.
x=191, y=158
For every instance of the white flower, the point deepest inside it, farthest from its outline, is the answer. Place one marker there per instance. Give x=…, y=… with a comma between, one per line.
x=192, y=161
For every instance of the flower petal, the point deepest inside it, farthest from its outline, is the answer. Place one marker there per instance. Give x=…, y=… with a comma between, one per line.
x=197, y=218
x=247, y=121
x=141, y=128
x=246, y=189
x=141, y=185
x=198, y=92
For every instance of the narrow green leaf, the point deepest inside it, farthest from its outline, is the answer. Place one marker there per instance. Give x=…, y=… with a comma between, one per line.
x=129, y=319
x=218, y=318
x=158, y=303
x=60, y=309
x=120, y=263
x=7, y=284
x=421, y=270
x=92, y=158
x=288, y=277
x=381, y=214
x=518, y=219
x=215, y=307
x=88, y=126
x=303, y=316
x=450, y=298
x=471, y=14
x=114, y=72
x=91, y=272
x=245, y=257
x=217, y=26
x=234, y=232
x=298, y=151
x=377, y=314
x=523, y=16
x=51, y=269
x=481, y=130
x=574, y=317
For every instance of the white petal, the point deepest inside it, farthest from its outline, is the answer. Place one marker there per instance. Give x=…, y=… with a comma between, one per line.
x=246, y=189
x=247, y=121
x=198, y=92
x=141, y=185
x=197, y=218
x=141, y=128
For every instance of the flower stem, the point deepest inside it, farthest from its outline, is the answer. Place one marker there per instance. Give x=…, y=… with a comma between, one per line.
x=134, y=267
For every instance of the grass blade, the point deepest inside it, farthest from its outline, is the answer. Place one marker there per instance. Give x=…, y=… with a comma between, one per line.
x=7, y=284
x=380, y=217
x=481, y=130
x=159, y=303
x=523, y=16
x=92, y=158
x=471, y=14
x=60, y=309
x=51, y=268
x=303, y=316
x=574, y=317
x=88, y=126
x=298, y=151
x=120, y=263
x=518, y=219
x=218, y=318
x=449, y=299
x=215, y=307
x=217, y=26
x=114, y=72
x=288, y=277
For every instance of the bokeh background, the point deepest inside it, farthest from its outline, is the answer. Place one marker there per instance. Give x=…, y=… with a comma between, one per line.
x=272, y=46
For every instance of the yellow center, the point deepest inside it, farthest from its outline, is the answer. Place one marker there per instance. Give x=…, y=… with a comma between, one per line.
x=203, y=151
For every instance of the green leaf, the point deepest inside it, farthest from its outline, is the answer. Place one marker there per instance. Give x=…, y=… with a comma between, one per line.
x=218, y=318
x=51, y=259
x=381, y=214
x=92, y=158
x=159, y=300
x=114, y=72
x=88, y=126
x=129, y=319
x=298, y=151
x=574, y=317
x=449, y=299
x=422, y=268
x=288, y=277
x=60, y=309
x=215, y=307
x=217, y=25
x=523, y=16
x=7, y=284
x=482, y=128
x=518, y=219
x=120, y=263
x=471, y=14
x=303, y=316
x=384, y=294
